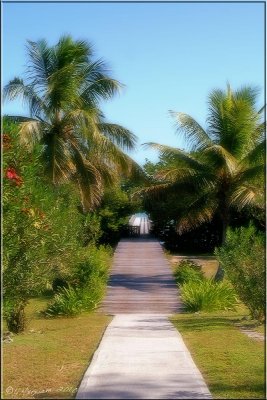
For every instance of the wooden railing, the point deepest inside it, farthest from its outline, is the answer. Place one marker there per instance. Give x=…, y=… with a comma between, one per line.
x=134, y=230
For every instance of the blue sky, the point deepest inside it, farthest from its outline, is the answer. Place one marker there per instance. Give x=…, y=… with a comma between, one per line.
x=169, y=56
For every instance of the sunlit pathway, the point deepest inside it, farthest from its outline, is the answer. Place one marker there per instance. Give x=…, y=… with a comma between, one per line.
x=141, y=355
x=141, y=280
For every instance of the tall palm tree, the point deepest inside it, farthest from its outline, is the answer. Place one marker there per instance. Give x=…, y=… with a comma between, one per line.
x=224, y=166
x=63, y=89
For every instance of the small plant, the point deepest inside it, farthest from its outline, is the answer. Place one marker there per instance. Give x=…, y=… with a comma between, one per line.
x=66, y=302
x=14, y=315
x=208, y=295
x=188, y=271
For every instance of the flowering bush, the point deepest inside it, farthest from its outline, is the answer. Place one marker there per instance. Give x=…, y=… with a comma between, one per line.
x=40, y=227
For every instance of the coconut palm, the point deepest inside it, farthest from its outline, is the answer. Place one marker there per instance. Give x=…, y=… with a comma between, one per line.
x=63, y=89
x=224, y=166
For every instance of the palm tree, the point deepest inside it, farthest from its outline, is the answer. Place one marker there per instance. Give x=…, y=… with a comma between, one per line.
x=224, y=167
x=63, y=89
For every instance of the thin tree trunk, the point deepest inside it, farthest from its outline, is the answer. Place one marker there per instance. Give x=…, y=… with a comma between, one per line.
x=225, y=223
x=81, y=197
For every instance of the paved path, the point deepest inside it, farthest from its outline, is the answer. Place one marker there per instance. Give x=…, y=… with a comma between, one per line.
x=142, y=357
x=141, y=280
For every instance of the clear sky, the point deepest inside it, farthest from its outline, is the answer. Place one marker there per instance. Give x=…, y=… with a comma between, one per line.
x=169, y=56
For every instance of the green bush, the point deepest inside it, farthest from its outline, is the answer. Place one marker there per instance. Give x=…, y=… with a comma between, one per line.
x=91, y=229
x=87, y=284
x=66, y=302
x=243, y=259
x=116, y=207
x=93, y=266
x=208, y=295
x=40, y=227
x=187, y=271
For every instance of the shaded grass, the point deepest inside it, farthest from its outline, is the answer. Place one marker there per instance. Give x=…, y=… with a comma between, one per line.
x=231, y=363
x=49, y=359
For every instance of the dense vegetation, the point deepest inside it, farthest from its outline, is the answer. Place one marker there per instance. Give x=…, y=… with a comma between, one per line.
x=69, y=185
x=221, y=174
x=243, y=258
x=50, y=246
x=63, y=88
x=60, y=163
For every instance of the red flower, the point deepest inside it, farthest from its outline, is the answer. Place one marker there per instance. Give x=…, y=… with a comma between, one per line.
x=12, y=175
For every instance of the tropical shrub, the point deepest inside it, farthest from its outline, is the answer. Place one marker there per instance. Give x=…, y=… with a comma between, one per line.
x=243, y=259
x=208, y=295
x=91, y=229
x=39, y=231
x=188, y=271
x=86, y=284
x=116, y=207
x=67, y=301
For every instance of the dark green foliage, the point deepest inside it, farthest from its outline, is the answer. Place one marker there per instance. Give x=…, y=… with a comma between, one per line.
x=188, y=271
x=91, y=229
x=243, y=259
x=222, y=170
x=114, y=213
x=14, y=313
x=207, y=295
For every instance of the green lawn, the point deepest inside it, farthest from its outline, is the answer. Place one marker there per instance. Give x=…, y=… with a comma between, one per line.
x=231, y=363
x=49, y=359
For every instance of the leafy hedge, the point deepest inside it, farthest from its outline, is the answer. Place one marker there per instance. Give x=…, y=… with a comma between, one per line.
x=243, y=259
x=45, y=239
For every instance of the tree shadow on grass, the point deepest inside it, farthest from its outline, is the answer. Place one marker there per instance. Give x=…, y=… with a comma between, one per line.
x=203, y=323
x=251, y=391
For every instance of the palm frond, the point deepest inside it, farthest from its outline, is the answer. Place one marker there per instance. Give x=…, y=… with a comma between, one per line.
x=17, y=89
x=41, y=63
x=57, y=157
x=177, y=154
x=256, y=155
x=90, y=183
x=233, y=120
x=118, y=135
x=201, y=210
x=97, y=84
x=31, y=132
x=250, y=175
x=245, y=195
x=220, y=157
x=157, y=191
x=197, y=138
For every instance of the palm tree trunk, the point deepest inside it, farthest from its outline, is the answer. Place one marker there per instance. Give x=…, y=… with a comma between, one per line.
x=83, y=208
x=225, y=223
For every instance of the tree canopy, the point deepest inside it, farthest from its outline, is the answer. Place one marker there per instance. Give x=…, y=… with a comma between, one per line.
x=63, y=89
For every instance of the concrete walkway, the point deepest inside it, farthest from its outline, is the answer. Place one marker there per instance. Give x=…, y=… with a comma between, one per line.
x=142, y=356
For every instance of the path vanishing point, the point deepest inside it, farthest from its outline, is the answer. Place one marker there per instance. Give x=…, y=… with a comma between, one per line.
x=142, y=355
